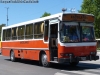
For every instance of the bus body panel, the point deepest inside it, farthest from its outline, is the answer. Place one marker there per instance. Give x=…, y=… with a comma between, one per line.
x=77, y=51
x=25, y=44
x=0, y=46
x=25, y=49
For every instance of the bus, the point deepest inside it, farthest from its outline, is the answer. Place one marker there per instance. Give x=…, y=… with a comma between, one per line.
x=59, y=38
x=0, y=47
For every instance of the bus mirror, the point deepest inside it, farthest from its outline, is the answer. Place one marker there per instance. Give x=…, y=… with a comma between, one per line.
x=61, y=27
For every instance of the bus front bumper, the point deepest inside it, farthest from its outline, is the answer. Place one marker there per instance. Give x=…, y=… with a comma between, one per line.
x=75, y=59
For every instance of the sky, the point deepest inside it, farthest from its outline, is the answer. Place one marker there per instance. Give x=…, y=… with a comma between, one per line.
x=21, y=12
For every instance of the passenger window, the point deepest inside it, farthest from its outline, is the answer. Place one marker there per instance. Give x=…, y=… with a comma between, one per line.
x=21, y=30
x=4, y=35
x=29, y=31
x=38, y=30
x=14, y=33
x=8, y=34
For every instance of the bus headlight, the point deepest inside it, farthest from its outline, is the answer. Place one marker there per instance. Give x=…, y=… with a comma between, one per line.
x=93, y=53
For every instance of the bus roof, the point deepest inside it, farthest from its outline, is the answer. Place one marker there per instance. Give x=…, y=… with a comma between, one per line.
x=59, y=15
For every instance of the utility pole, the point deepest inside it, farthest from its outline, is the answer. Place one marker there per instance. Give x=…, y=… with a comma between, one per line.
x=7, y=15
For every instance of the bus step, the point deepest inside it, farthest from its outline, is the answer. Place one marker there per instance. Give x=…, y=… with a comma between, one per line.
x=55, y=59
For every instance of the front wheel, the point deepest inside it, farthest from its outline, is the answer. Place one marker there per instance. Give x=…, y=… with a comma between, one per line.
x=44, y=60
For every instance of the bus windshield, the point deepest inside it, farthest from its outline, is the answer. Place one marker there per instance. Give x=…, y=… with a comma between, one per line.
x=73, y=32
x=87, y=32
x=69, y=32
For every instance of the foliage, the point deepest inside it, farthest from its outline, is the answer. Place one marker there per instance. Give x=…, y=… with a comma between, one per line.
x=46, y=14
x=92, y=7
x=2, y=25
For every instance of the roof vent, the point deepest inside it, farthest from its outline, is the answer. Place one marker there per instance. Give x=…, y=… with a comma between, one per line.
x=73, y=10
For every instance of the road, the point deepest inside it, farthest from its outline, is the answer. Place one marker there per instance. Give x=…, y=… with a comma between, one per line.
x=24, y=67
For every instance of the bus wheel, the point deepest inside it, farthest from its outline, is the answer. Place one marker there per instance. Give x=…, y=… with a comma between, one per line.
x=12, y=56
x=44, y=60
x=74, y=63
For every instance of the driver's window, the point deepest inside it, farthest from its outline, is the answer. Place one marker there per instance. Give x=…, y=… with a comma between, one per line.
x=73, y=36
x=69, y=33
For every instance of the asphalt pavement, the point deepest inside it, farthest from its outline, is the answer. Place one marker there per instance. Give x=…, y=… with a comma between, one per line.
x=27, y=67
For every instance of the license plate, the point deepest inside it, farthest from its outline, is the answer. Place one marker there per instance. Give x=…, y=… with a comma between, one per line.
x=83, y=58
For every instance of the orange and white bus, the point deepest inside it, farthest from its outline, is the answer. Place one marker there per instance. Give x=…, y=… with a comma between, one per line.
x=61, y=38
x=0, y=47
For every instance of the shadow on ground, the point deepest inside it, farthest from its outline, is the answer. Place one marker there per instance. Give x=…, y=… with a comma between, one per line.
x=80, y=66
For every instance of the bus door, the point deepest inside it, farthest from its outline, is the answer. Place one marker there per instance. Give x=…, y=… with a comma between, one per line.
x=53, y=41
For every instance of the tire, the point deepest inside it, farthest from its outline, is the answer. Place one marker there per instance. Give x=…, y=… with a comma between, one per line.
x=44, y=60
x=12, y=56
x=74, y=63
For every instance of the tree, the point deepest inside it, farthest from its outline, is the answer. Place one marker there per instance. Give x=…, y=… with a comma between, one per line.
x=93, y=7
x=46, y=14
x=2, y=25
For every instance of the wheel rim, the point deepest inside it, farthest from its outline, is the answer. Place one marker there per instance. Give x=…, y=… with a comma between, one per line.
x=12, y=55
x=44, y=60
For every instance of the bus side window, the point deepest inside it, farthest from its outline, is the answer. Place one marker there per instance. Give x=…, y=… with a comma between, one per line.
x=29, y=31
x=14, y=35
x=38, y=32
x=4, y=35
x=21, y=30
x=8, y=34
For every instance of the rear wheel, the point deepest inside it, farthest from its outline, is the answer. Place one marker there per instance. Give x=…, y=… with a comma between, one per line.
x=12, y=56
x=74, y=63
x=44, y=60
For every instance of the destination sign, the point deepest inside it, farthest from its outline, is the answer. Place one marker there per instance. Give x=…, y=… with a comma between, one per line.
x=78, y=17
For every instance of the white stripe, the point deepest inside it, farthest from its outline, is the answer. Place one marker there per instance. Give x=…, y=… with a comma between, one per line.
x=78, y=44
x=26, y=48
x=58, y=73
x=79, y=72
x=23, y=40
